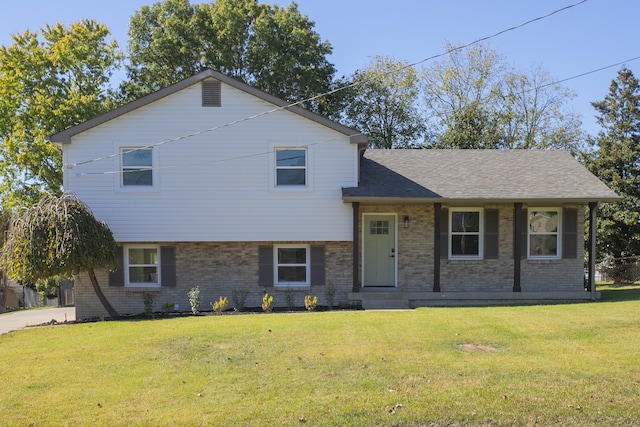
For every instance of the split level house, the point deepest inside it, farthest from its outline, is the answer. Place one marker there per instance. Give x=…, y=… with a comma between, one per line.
x=215, y=184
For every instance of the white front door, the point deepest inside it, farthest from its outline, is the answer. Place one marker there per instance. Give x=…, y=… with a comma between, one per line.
x=379, y=250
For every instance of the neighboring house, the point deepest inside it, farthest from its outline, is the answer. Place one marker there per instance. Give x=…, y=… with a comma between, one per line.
x=215, y=184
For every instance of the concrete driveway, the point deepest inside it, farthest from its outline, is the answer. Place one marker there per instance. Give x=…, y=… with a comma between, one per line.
x=20, y=319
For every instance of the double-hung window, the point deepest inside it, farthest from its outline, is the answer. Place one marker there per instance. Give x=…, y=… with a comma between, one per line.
x=291, y=167
x=292, y=265
x=142, y=266
x=465, y=233
x=543, y=231
x=137, y=166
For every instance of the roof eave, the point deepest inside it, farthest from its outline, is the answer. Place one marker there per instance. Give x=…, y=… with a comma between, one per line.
x=476, y=201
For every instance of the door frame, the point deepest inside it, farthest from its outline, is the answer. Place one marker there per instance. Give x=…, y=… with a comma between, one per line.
x=395, y=243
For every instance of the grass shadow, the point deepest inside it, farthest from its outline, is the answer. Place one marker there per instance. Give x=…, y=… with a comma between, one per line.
x=619, y=292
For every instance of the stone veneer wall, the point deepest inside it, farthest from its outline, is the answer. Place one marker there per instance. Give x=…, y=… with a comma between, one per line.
x=218, y=269
x=415, y=258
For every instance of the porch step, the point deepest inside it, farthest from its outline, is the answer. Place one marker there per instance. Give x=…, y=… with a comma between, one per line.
x=380, y=300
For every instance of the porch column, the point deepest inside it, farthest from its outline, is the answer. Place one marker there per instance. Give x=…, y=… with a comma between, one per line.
x=355, y=286
x=517, y=246
x=593, y=207
x=436, y=246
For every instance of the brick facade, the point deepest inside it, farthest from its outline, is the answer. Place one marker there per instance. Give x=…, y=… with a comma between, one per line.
x=218, y=269
x=415, y=258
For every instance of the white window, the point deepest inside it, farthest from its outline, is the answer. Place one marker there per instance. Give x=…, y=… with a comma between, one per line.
x=291, y=167
x=465, y=233
x=291, y=265
x=142, y=266
x=543, y=231
x=137, y=166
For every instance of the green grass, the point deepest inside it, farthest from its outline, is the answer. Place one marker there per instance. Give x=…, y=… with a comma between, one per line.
x=573, y=365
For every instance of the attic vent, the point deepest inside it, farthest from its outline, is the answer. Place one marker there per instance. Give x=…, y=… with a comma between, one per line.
x=211, y=94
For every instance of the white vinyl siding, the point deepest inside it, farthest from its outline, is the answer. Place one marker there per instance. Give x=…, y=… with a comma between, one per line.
x=215, y=185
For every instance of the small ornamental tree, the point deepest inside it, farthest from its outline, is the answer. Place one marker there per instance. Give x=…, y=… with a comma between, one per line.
x=56, y=237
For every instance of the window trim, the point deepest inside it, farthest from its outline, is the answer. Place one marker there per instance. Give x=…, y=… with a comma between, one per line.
x=480, y=233
x=558, y=234
x=122, y=150
x=127, y=282
x=277, y=168
x=292, y=285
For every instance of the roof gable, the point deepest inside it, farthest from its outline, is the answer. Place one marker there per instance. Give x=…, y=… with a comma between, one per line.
x=65, y=136
x=476, y=175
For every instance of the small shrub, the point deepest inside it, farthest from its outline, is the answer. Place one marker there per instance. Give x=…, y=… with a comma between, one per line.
x=289, y=297
x=194, y=299
x=167, y=307
x=148, y=303
x=310, y=302
x=267, y=303
x=220, y=305
x=329, y=295
x=239, y=299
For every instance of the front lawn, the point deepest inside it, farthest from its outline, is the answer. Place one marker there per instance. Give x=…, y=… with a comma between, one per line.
x=575, y=365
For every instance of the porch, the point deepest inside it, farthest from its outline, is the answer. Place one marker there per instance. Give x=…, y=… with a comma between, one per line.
x=393, y=298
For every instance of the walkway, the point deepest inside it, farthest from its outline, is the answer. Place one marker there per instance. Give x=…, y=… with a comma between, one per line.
x=19, y=319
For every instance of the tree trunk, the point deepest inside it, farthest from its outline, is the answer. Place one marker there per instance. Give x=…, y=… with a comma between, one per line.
x=105, y=303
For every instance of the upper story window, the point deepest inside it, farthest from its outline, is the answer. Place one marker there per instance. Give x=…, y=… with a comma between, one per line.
x=141, y=266
x=543, y=230
x=291, y=167
x=137, y=166
x=465, y=233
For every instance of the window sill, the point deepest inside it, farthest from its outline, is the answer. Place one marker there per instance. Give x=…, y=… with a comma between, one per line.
x=154, y=288
x=282, y=287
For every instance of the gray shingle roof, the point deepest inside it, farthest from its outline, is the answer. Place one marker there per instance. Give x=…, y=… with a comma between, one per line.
x=475, y=175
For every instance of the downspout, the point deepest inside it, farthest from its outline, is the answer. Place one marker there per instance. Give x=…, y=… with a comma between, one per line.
x=355, y=286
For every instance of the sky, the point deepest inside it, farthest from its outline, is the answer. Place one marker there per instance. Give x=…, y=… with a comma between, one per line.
x=581, y=39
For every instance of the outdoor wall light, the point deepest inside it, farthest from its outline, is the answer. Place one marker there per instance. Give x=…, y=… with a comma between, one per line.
x=406, y=222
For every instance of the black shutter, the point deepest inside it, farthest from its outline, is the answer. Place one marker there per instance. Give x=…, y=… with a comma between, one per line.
x=211, y=94
x=168, y=265
x=569, y=233
x=265, y=265
x=444, y=233
x=116, y=277
x=491, y=233
x=317, y=265
x=524, y=233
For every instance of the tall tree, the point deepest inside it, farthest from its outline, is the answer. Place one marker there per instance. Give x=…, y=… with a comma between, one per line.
x=459, y=93
x=616, y=161
x=5, y=220
x=533, y=114
x=474, y=100
x=382, y=102
x=272, y=48
x=48, y=81
x=59, y=236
